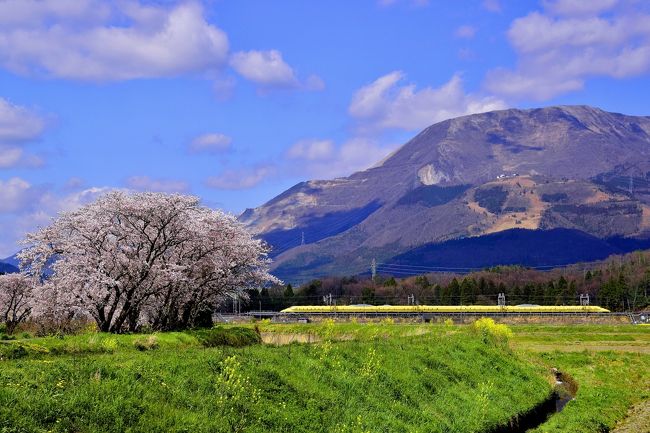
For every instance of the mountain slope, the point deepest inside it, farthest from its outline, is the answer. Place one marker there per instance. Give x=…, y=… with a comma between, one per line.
x=6, y=268
x=572, y=167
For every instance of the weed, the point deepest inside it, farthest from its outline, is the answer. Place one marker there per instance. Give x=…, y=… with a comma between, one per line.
x=146, y=343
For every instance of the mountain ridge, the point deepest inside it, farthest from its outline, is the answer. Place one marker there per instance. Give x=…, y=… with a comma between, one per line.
x=573, y=167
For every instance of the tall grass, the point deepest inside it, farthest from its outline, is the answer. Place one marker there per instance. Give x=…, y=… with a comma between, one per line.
x=448, y=380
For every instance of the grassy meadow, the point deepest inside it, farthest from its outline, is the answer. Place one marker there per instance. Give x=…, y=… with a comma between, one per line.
x=379, y=377
x=611, y=365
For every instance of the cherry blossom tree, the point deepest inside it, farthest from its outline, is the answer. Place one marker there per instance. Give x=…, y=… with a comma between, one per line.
x=15, y=299
x=134, y=258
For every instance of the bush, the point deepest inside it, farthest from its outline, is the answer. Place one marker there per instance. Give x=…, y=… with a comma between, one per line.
x=234, y=337
x=491, y=331
x=16, y=350
x=12, y=351
x=146, y=343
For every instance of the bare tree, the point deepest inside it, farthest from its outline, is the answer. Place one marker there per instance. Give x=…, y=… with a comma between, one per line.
x=15, y=299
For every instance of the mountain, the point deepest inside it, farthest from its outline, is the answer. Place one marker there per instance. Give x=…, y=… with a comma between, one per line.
x=577, y=168
x=12, y=260
x=6, y=268
x=9, y=265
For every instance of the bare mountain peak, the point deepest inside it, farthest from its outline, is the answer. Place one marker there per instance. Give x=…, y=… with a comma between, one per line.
x=572, y=166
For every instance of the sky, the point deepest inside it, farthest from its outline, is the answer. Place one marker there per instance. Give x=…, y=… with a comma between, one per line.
x=237, y=100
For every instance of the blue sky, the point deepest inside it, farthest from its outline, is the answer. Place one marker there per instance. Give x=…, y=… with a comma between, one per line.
x=237, y=100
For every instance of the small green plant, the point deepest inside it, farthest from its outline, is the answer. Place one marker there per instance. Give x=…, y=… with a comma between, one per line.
x=370, y=365
x=387, y=321
x=236, y=393
x=109, y=344
x=357, y=426
x=146, y=343
x=326, y=354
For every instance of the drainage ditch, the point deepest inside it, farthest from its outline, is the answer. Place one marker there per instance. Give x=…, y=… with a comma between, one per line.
x=564, y=391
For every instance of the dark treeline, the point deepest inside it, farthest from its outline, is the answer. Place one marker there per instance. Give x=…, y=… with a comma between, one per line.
x=620, y=283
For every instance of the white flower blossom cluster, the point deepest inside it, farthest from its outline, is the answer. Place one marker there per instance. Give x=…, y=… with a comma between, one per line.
x=132, y=259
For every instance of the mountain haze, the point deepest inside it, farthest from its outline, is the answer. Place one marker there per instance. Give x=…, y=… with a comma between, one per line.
x=577, y=168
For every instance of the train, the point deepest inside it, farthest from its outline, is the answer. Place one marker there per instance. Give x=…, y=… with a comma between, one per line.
x=441, y=309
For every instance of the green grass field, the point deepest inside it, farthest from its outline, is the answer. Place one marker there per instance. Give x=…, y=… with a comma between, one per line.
x=611, y=365
x=378, y=377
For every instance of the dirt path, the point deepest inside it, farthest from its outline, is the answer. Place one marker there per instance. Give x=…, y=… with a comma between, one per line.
x=637, y=420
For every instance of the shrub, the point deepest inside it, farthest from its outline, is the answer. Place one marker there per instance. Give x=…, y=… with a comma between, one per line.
x=234, y=337
x=491, y=331
x=146, y=343
x=16, y=350
x=12, y=351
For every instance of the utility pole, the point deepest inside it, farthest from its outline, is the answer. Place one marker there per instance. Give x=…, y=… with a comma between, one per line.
x=373, y=268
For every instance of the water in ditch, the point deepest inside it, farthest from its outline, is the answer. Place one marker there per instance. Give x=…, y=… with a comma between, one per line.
x=565, y=390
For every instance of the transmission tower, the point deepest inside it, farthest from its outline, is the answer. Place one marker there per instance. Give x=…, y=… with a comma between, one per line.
x=302, y=239
x=373, y=268
x=501, y=300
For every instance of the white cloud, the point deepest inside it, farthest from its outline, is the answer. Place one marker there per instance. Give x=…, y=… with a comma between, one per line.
x=324, y=159
x=465, y=32
x=416, y=3
x=15, y=195
x=573, y=7
x=359, y=154
x=385, y=103
x=569, y=42
x=492, y=5
x=310, y=158
x=16, y=13
x=25, y=207
x=10, y=156
x=100, y=41
x=264, y=67
x=18, y=126
x=314, y=82
x=244, y=178
x=311, y=150
x=146, y=183
x=269, y=70
x=211, y=143
x=74, y=183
